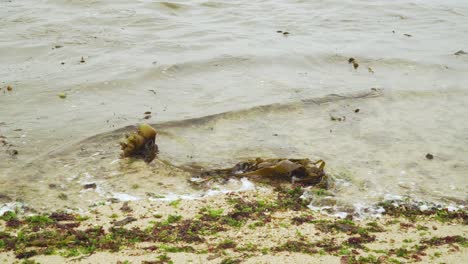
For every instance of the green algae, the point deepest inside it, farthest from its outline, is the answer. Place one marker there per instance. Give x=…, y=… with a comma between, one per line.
x=297, y=246
x=230, y=261
x=227, y=243
x=175, y=203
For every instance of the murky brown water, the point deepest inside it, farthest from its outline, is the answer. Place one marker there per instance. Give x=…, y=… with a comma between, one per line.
x=193, y=59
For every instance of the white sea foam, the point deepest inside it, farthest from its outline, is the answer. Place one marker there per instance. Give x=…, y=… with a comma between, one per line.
x=12, y=206
x=125, y=197
x=233, y=185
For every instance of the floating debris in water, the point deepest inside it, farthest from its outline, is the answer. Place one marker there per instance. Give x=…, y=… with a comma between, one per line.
x=285, y=33
x=12, y=152
x=339, y=119
x=141, y=144
x=354, y=62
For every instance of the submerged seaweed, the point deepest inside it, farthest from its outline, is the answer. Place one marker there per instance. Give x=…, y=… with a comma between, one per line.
x=274, y=171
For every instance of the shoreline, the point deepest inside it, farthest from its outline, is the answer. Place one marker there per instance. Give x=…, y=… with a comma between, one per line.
x=268, y=226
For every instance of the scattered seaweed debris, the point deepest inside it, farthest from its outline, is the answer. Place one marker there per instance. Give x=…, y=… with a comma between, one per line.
x=141, y=144
x=301, y=171
x=72, y=235
x=413, y=211
x=125, y=221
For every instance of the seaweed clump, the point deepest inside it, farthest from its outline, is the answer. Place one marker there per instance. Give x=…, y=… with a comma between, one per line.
x=274, y=171
x=141, y=144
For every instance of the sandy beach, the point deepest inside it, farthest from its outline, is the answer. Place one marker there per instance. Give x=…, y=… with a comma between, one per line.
x=268, y=226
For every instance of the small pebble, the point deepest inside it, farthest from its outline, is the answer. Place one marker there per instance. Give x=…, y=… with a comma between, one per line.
x=429, y=156
x=9, y=88
x=356, y=110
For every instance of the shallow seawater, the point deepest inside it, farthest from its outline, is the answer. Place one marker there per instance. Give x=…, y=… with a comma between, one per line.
x=223, y=86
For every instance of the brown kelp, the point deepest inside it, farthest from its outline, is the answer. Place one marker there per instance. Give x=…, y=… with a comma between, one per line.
x=141, y=144
x=274, y=171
